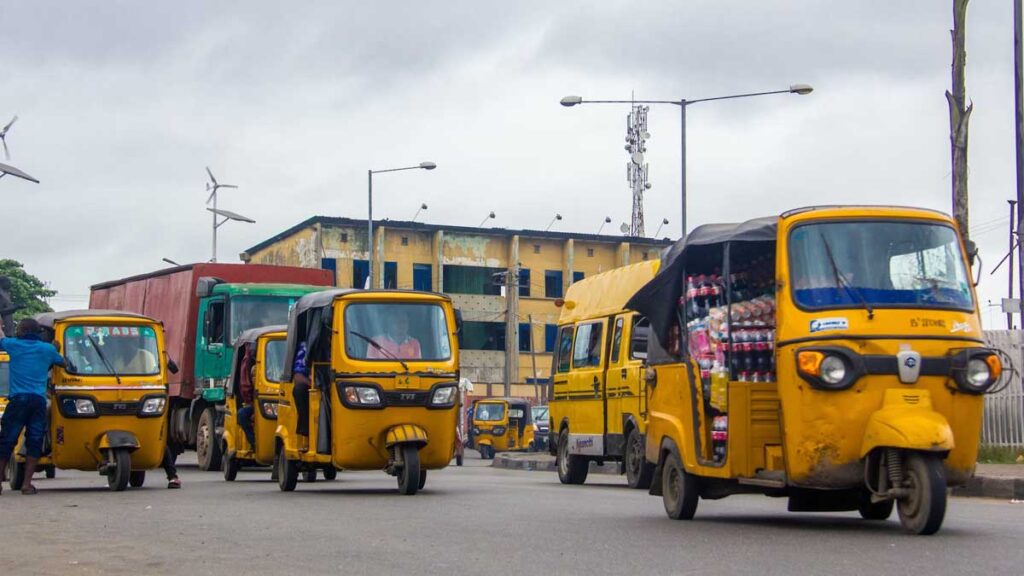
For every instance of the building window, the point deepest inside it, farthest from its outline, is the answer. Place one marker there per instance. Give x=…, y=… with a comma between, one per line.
x=423, y=277
x=471, y=280
x=360, y=272
x=482, y=336
x=344, y=237
x=577, y=276
x=552, y=283
x=536, y=248
x=391, y=275
x=405, y=240
x=332, y=265
x=590, y=252
x=645, y=255
x=524, y=282
x=550, y=334
x=525, y=339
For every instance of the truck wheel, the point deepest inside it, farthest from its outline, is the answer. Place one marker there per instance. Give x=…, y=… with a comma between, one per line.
x=16, y=473
x=287, y=473
x=120, y=470
x=571, y=469
x=680, y=493
x=409, y=477
x=208, y=451
x=639, y=472
x=137, y=479
x=923, y=510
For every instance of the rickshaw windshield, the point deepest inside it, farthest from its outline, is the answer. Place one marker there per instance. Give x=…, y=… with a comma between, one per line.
x=883, y=263
x=274, y=356
x=5, y=379
x=111, y=350
x=255, y=311
x=390, y=332
x=490, y=412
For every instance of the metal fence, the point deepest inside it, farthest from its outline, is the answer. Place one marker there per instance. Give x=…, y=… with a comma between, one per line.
x=1004, y=411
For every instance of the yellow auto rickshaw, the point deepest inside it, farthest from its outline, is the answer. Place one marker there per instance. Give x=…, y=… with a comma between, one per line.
x=831, y=355
x=266, y=346
x=108, y=403
x=384, y=372
x=502, y=425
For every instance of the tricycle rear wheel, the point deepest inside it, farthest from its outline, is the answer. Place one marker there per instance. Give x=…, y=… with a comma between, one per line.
x=874, y=510
x=409, y=476
x=230, y=467
x=137, y=479
x=16, y=473
x=119, y=469
x=330, y=472
x=287, y=473
x=923, y=510
x=51, y=472
x=309, y=475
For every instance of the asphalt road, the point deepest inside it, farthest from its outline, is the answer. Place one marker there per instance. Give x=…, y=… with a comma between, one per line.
x=470, y=520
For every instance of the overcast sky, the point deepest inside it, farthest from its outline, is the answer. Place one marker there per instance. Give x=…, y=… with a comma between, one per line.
x=123, y=103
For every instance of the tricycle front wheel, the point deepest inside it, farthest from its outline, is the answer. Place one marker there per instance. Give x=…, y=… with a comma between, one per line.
x=409, y=476
x=923, y=509
x=119, y=469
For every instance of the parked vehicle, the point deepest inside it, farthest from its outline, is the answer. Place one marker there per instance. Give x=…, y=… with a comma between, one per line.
x=204, y=308
x=541, y=427
x=502, y=425
x=598, y=396
x=108, y=407
x=384, y=392
x=842, y=365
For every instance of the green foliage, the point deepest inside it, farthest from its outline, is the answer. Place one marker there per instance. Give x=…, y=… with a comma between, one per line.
x=999, y=455
x=25, y=290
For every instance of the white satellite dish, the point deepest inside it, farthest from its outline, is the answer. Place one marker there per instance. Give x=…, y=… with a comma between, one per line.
x=624, y=228
x=645, y=135
x=638, y=158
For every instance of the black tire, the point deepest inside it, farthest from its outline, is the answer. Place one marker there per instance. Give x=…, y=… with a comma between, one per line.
x=208, y=445
x=16, y=473
x=51, y=472
x=137, y=479
x=680, y=492
x=287, y=473
x=275, y=471
x=330, y=472
x=230, y=467
x=309, y=475
x=409, y=476
x=458, y=459
x=923, y=510
x=639, y=472
x=120, y=471
x=423, y=479
x=874, y=510
x=571, y=469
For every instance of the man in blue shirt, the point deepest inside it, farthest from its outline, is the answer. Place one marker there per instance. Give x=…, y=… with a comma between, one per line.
x=31, y=359
x=300, y=392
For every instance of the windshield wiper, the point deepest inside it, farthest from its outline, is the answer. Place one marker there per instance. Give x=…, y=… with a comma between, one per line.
x=841, y=281
x=380, y=348
x=96, y=347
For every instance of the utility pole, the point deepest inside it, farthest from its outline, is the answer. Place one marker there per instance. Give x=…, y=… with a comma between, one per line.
x=1018, y=110
x=510, y=280
x=1013, y=246
x=959, y=117
x=533, y=358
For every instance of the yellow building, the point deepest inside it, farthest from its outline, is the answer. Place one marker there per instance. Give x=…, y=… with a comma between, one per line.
x=467, y=264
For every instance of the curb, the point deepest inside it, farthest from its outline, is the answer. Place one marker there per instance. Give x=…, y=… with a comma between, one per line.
x=977, y=487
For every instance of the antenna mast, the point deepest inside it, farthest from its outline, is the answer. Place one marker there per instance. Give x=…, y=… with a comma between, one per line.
x=636, y=169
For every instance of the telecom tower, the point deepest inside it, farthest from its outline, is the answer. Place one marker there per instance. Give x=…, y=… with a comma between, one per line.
x=636, y=169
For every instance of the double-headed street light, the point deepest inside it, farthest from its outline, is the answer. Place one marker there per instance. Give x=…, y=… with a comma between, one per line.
x=801, y=89
x=369, y=218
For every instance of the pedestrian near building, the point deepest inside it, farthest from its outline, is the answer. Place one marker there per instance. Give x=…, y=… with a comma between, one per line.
x=30, y=361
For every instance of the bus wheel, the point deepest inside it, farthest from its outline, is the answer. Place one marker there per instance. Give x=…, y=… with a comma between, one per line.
x=287, y=473
x=409, y=477
x=16, y=473
x=137, y=479
x=571, y=469
x=208, y=451
x=119, y=469
x=680, y=492
x=922, y=511
x=639, y=472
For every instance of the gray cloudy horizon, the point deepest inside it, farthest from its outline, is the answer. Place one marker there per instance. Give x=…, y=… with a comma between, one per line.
x=123, y=103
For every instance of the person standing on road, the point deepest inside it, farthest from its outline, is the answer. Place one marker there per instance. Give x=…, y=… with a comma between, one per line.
x=30, y=362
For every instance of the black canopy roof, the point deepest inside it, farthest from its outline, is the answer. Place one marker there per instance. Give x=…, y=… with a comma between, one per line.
x=658, y=298
x=47, y=319
x=253, y=334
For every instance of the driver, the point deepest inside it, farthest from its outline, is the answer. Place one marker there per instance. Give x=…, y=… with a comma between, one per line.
x=396, y=342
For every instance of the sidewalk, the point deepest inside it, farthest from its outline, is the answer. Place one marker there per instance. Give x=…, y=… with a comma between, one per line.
x=1001, y=481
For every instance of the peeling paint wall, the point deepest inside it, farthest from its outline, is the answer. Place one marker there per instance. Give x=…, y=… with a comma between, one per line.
x=299, y=249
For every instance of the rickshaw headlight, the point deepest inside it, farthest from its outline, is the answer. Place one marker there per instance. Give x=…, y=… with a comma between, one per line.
x=978, y=374
x=443, y=396
x=84, y=407
x=833, y=370
x=498, y=430
x=154, y=405
x=362, y=395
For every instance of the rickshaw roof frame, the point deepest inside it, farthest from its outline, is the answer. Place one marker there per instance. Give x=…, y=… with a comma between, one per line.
x=253, y=334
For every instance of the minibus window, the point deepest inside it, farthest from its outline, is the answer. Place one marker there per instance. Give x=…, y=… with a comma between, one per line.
x=564, y=348
x=638, y=342
x=587, y=349
x=616, y=340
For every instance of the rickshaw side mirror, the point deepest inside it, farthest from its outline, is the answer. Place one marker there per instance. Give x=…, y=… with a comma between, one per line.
x=458, y=321
x=172, y=367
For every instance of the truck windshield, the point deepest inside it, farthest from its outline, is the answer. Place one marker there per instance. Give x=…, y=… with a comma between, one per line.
x=258, y=311
x=393, y=332
x=5, y=379
x=111, y=350
x=884, y=264
x=274, y=354
x=490, y=412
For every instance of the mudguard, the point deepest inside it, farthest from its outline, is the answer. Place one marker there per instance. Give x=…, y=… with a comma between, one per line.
x=907, y=421
x=406, y=434
x=119, y=439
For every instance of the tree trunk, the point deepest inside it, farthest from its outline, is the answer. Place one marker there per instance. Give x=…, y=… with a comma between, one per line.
x=959, y=117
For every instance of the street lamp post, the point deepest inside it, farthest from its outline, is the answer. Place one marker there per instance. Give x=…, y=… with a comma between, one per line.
x=369, y=217
x=801, y=89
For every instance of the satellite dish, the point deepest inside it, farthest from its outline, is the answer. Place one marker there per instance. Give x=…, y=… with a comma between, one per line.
x=624, y=228
x=638, y=158
x=645, y=135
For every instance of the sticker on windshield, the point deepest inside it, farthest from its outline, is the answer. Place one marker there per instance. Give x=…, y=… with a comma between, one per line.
x=824, y=324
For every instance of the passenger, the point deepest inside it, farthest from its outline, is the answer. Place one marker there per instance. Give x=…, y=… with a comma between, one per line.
x=396, y=342
x=30, y=362
x=300, y=376
x=245, y=393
